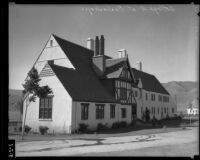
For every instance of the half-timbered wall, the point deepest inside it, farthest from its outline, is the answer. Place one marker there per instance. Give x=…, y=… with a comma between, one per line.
x=123, y=91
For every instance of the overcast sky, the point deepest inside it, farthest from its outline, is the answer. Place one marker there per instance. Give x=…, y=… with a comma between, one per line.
x=163, y=37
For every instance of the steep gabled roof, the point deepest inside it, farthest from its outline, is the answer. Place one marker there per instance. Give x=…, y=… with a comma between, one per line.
x=81, y=83
x=149, y=82
x=82, y=87
x=79, y=56
x=114, y=67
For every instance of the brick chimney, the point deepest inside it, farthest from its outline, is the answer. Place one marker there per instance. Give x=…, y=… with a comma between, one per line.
x=99, y=57
x=96, y=51
x=101, y=45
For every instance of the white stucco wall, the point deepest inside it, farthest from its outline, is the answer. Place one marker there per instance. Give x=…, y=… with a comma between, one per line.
x=143, y=103
x=193, y=111
x=92, y=121
x=55, y=53
x=62, y=102
x=61, y=109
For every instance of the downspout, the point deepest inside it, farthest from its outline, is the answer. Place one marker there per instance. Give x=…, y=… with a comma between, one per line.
x=118, y=113
x=142, y=102
x=75, y=115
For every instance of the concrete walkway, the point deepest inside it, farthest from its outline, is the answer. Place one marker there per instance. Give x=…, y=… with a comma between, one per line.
x=109, y=144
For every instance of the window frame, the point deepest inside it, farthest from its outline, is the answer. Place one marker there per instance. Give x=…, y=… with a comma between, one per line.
x=100, y=109
x=112, y=111
x=46, y=110
x=84, y=111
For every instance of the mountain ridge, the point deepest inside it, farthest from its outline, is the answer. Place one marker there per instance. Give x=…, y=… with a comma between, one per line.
x=184, y=91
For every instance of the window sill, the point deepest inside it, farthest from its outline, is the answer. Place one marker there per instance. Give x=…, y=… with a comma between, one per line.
x=45, y=120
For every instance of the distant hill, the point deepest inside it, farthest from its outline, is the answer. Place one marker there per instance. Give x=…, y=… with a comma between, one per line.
x=15, y=97
x=186, y=92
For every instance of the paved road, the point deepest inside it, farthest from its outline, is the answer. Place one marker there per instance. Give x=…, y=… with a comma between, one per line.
x=179, y=143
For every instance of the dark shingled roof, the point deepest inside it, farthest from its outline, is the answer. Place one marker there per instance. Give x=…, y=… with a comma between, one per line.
x=80, y=57
x=82, y=87
x=114, y=67
x=81, y=83
x=149, y=82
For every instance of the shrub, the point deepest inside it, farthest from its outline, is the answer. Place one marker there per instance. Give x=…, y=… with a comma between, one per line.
x=154, y=121
x=160, y=122
x=43, y=129
x=101, y=126
x=167, y=117
x=83, y=127
x=133, y=123
x=178, y=118
x=115, y=125
x=27, y=129
x=122, y=124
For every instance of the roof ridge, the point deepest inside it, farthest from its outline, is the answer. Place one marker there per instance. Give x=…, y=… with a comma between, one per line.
x=55, y=36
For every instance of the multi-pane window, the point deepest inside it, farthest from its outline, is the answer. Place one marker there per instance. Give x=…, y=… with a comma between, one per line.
x=99, y=111
x=146, y=96
x=172, y=110
x=45, y=108
x=165, y=99
x=123, y=112
x=164, y=110
x=153, y=97
x=112, y=111
x=160, y=98
x=84, y=111
x=123, y=93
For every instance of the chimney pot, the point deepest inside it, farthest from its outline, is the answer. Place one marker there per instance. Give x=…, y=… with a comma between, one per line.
x=90, y=44
x=122, y=53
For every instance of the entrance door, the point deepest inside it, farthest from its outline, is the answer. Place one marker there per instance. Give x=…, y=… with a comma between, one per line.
x=134, y=111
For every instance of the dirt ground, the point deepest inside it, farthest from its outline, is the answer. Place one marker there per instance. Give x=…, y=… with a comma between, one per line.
x=182, y=142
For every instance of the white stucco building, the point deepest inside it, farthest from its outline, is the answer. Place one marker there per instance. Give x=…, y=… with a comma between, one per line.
x=193, y=108
x=90, y=87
